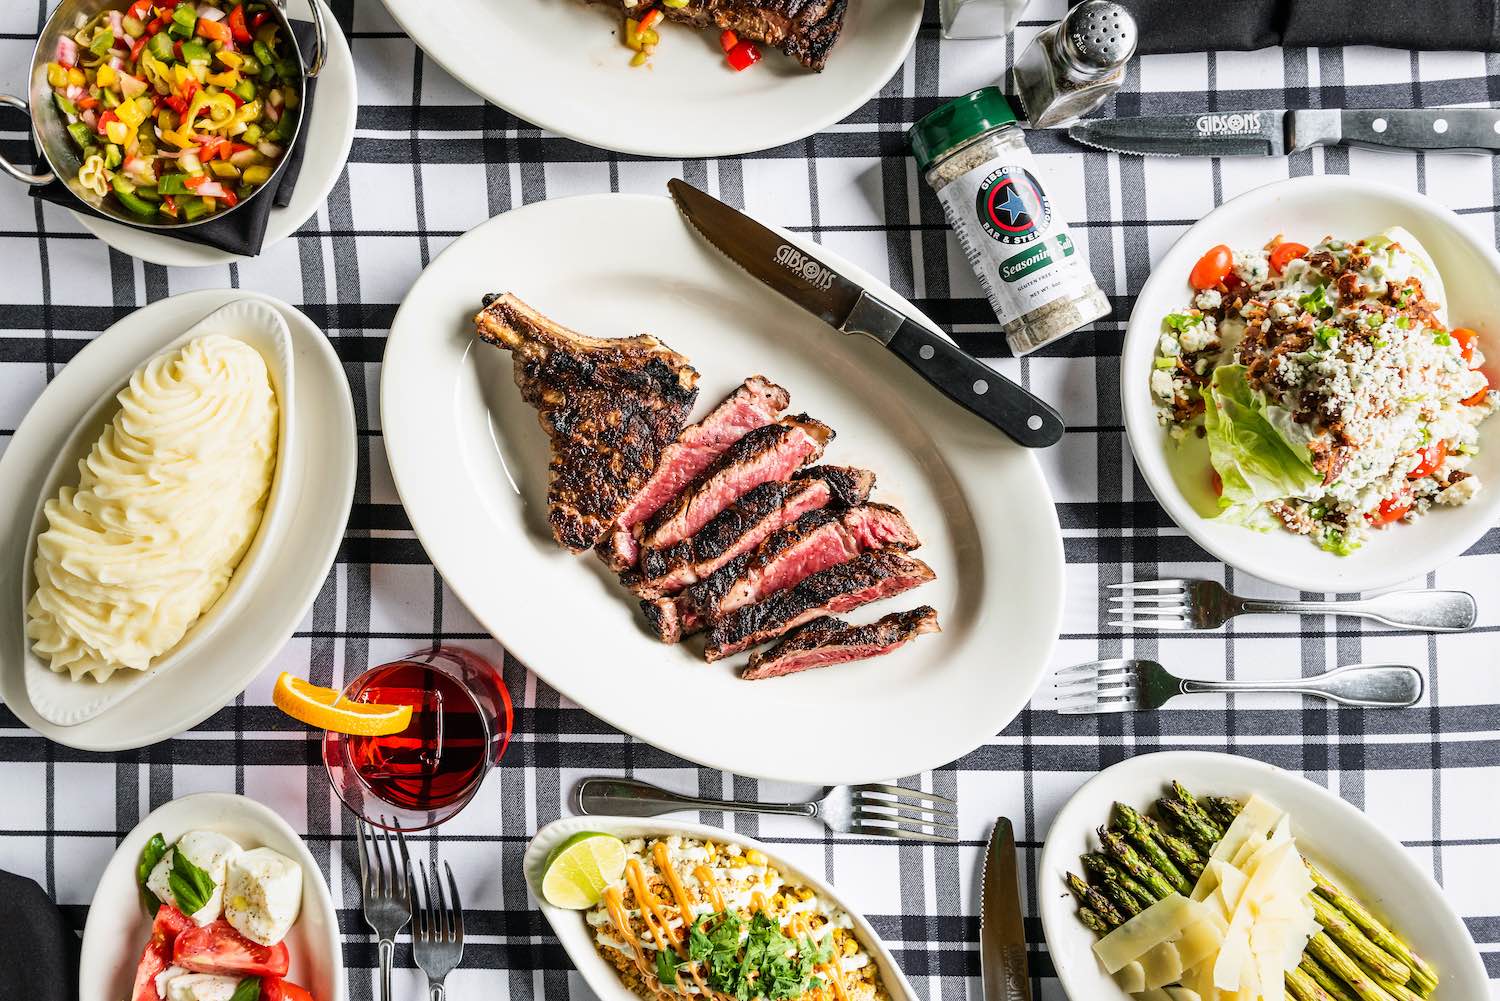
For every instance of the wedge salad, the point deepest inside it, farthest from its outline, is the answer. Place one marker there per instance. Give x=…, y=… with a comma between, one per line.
x=1334, y=396
x=221, y=913
x=1213, y=900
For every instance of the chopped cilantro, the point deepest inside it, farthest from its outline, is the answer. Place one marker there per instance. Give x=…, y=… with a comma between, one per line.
x=1179, y=322
x=761, y=967
x=666, y=967
x=1316, y=301
x=1404, y=322
x=1441, y=337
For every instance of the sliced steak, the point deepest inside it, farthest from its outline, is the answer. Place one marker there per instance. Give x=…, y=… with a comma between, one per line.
x=755, y=404
x=826, y=641
x=611, y=407
x=866, y=578
x=745, y=524
x=803, y=29
x=814, y=542
x=768, y=453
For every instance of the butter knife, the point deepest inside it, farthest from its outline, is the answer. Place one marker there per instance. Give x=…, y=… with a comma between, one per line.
x=1277, y=133
x=1002, y=934
x=849, y=308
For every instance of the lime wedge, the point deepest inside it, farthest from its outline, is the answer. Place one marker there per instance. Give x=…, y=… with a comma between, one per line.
x=579, y=869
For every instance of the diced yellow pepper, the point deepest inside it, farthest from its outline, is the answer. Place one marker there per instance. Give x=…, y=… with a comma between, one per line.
x=76, y=77
x=106, y=76
x=224, y=169
x=258, y=174
x=117, y=132
x=181, y=75
x=131, y=113
x=231, y=59
x=226, y=79
x=57, y=75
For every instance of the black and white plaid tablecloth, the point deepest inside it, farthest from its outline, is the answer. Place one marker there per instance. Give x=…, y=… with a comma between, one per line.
x=431, y=160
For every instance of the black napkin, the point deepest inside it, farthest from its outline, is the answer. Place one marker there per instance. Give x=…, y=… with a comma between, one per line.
x=1201, y=25
x=242, y=231
x=39, y=960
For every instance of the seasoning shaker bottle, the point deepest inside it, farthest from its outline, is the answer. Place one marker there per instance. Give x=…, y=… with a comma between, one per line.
x=980, y=18
x=974, y=156
x=1070, y=68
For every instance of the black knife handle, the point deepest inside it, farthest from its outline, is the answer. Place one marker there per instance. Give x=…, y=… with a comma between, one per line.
x=976, y=387
x=1467, y=130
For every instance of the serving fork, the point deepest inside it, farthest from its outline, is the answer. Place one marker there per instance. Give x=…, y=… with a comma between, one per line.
x=386, y=887
x=1117, y=686
x=437, y=928
x=1206, y=604
x=882, y=811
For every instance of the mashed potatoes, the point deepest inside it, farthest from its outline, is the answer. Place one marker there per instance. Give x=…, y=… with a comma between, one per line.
x=167, y=502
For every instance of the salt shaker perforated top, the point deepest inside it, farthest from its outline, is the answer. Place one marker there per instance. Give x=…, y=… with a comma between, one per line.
x=1070, y=68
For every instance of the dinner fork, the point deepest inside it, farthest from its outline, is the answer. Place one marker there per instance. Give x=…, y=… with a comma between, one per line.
x=385, y=887
x=882, y=811
x=437, y=928
x=1117, y=686
x=1206, y=604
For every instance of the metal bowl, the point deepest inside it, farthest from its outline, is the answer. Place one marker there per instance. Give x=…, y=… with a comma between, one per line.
x=63, y=158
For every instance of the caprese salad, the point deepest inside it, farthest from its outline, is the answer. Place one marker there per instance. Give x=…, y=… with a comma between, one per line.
x=221, y=914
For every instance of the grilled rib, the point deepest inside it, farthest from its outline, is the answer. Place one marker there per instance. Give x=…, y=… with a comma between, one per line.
x=803, y=29
x=826, y=641
x=866, y=578
x=756, y=403
x=611, y=407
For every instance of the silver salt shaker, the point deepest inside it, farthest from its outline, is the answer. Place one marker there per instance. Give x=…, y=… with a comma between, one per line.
x=1070, y=68
x=980, y=18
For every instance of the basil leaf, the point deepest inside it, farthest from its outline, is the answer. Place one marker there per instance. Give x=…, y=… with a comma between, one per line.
x=152, y=854
x=247, y=990
x=191, y=886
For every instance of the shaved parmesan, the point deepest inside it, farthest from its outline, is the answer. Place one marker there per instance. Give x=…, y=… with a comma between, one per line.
x=1183, y=994
x=1256, y=819
x=1131, y=978
x=1163, y=921
x=1199, y=942
x=1154, y=994
x=1163, y=965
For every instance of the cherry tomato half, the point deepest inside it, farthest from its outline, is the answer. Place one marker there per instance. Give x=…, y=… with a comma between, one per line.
x=1391, y=509
x=1211, y=268
x=1465, y=338
x=1432, y=460
x=1284, y=253
x=1217, y=482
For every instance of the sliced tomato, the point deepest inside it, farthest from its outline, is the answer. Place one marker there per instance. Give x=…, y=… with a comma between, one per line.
x=169, y=923
x=218, y=948
x=1391, y=509
x=274, y=989
x=1465, y=338
x=1432, y=460
x=157, y=956
x=1285, y=253
x=1212, y=267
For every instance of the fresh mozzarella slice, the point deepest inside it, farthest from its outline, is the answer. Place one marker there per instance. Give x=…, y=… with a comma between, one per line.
x=165, y=977
x=1162, y=922
x=209, y=851
x=1162, y=965
x=263, y=895
x=201, y=987
x=1131, y=978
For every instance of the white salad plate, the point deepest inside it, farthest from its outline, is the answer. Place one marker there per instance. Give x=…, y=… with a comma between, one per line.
x=578, y=939
x=1306, y=209
x=470, y=463
x=1349, y=846
x=566, y=70
x=56, y=696
x=118, y=926
x=317, y=464
x=328, y=134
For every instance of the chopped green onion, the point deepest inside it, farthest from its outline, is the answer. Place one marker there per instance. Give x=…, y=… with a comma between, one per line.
x=1441, y=337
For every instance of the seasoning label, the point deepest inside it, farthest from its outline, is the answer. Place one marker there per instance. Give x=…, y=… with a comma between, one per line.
x=1022, y=252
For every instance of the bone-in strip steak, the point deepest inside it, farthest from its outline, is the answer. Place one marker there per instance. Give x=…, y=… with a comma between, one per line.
x=826, y=641
x=816, y=541
x=756, y=403
x=610, y=406
x=803, y=29
x=866, y=578
x=768, y=453
x=745, y=523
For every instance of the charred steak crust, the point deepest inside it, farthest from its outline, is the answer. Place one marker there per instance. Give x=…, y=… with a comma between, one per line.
x=767, y=453
x=827, y=641
x=803, y=29
x=609, y=405
x=866, y=578
x=756, y=402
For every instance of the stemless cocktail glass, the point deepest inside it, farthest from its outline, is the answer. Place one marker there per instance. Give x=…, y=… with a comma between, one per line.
x=460, y=726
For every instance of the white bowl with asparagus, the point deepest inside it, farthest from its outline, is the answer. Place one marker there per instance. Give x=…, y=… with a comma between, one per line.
x=1191, y=876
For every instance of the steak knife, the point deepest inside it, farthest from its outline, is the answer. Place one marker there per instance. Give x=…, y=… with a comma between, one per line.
x=1002, y=935
x=1277, y=133
x=847, y=307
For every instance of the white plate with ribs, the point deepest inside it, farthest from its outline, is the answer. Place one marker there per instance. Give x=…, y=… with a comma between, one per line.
x=782, y=526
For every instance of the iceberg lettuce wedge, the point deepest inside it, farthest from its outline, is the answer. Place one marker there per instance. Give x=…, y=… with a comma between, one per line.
x=1259, y=453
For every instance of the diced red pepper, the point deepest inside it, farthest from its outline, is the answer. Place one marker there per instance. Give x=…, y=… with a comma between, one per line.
x=139, y=9
x=177, y=49
x=230, y=198
x=239, y=101
x=235, y=147
x=214, y=31
x=156, y=25
x=85, y=103
x=176, y=103
x=260, y=19
x=106, y=118
x=170, y=204
x=743, y=56
x=651, y=19
x=237, y=26
x=135, y=50
x=728, y=40
x=193, y=181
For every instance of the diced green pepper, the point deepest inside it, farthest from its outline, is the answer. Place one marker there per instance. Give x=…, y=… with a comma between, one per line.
x=133, y=203
x=172, y=184
x=286, y=127
x=64, y=105
x=112, y=156
x=195, y=52
x=134, y=26
x=147, y=194
x=161, y=47
x=251, y=135
x=245, y=90
x=195, y=209
x=262, y=53
x=288, y=69
x=109, y=98
x=102, y=43
x=81, y=134
x=184, y=19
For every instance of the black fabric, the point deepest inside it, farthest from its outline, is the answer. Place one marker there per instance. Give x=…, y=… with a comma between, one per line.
x=39, y=960
x=1203, y=25
x=244, y=230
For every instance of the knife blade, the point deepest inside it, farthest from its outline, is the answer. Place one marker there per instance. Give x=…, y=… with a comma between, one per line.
x=1002, y=934
x=848, y=307
x=1277, y=133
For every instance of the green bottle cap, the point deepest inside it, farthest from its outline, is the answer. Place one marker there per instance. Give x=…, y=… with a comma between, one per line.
x=958, y=121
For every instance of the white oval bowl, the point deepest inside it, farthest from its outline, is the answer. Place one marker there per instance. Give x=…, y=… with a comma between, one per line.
x=573, y=932
x=1363, y=859
x=118, y=928
x=58, y=698
x=1305, y=209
